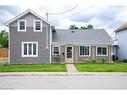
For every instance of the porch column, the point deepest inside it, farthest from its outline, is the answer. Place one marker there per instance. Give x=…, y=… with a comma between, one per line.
x=110, y=54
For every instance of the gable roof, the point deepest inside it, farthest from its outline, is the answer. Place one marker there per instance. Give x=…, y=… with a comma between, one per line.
x=24, y=13
x=123, y=27
x=88, y=36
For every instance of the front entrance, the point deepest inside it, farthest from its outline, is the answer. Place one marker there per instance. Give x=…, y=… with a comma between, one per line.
x=69, y=54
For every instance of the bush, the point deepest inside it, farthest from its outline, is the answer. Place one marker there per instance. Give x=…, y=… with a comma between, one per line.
x=57, y=58
x=103, y=60
x=125, y=60
x=86, y=60
x=94, y=61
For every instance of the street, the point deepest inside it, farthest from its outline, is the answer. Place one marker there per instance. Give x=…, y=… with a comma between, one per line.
x=64, y=82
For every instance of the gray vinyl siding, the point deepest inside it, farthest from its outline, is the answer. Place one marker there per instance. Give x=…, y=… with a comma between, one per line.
x=29, y=36
x=62, y=56
x=76, y=57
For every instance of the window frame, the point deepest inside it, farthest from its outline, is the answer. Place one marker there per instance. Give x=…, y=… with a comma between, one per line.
x=19, y=25
x=35, y=26
x=89, y=51
x=53, y=50
x=22, y=49
x=102, y=47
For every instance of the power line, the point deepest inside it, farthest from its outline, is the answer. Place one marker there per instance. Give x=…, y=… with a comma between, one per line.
x=64, y=11
x=47, y=14
x=77, y=12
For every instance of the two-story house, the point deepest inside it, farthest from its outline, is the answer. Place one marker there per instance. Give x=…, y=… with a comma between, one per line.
x=32, y=40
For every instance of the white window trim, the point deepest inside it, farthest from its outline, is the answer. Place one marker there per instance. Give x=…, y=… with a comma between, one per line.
x=89, y=51
x=27, y=50
x=53, y=50
x=102, y=47
x=19, y=25
x=35, y=27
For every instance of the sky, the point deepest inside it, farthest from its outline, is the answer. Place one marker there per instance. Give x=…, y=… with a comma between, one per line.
x=108, y=17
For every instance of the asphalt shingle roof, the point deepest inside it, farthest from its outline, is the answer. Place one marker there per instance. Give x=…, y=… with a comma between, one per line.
x=88, y=36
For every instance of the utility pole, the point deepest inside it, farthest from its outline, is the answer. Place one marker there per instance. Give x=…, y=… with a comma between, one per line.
x=47, y=16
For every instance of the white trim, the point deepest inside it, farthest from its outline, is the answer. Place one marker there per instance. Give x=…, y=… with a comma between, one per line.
x=35, y=25
x=53, y=50
x=66, y=53
x=24, y=13
x=106, y=50
x=22, y=49
x=89, y=51
x=18, y=28
x=50, y=45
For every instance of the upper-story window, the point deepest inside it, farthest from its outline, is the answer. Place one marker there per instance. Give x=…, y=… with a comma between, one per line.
x=21, y=25
x=37, y=25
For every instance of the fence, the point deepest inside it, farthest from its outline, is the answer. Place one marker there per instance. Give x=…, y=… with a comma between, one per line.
x=3, y=53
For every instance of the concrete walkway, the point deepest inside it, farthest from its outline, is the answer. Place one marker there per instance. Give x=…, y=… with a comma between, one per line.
x=71, y=68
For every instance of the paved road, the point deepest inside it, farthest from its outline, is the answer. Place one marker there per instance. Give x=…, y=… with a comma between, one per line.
x=64, y=82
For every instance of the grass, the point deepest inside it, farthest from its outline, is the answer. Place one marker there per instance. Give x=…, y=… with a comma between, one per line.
x=3, y=60
x=34, y=68
x=117, y=67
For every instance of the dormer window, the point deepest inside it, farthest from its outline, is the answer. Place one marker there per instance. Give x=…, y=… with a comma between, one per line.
x=37, y=25
x=21, y=25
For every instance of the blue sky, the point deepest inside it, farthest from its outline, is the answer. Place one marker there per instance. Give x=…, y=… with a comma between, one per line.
x=108, y=17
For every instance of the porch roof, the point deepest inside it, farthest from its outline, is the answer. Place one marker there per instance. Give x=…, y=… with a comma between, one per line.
x=88, y=36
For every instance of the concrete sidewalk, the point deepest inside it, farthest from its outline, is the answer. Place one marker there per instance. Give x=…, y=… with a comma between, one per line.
x=71, y=68
x=62, y=74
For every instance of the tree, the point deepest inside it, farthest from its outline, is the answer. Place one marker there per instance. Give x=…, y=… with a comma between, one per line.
x=83, y=27
x=3, y=39
x=73, y=27
x=90, y=26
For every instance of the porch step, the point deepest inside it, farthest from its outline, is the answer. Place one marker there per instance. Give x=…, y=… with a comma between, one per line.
x=71, y=68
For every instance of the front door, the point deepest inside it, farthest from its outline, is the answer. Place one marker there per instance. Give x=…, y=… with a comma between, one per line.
x=68, y=54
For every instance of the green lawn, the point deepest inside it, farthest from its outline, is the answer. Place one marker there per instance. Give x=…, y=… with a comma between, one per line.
x=3, y=60
x=102, y=67
x=34, y=68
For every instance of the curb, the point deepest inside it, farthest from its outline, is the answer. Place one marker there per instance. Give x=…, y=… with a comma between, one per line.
x=63, y=74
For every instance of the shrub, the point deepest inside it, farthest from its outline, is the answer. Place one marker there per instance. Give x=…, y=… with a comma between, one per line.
x=86, y=60
x=125, y=60
x=94, y=61
x=103, y=60
x=57, y=58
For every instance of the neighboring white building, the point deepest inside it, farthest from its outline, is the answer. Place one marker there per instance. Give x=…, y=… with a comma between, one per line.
x=121, y=39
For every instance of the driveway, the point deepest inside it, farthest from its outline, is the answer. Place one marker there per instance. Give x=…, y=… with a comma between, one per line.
x=64, y=82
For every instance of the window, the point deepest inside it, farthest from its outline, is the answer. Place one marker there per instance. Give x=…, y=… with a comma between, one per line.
x=37, y=25
x=29, y=49
x=101, y=51
x=21, y=25
x=56, y=50
x=84, y=50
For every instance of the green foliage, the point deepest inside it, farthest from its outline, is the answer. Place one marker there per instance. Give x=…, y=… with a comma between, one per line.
x=94, y=61
x=90, y=26
x=83, y=27
x=86, y=60
x=73, y=27
x=102, y=60
x=3, y=39
x=57, y=58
